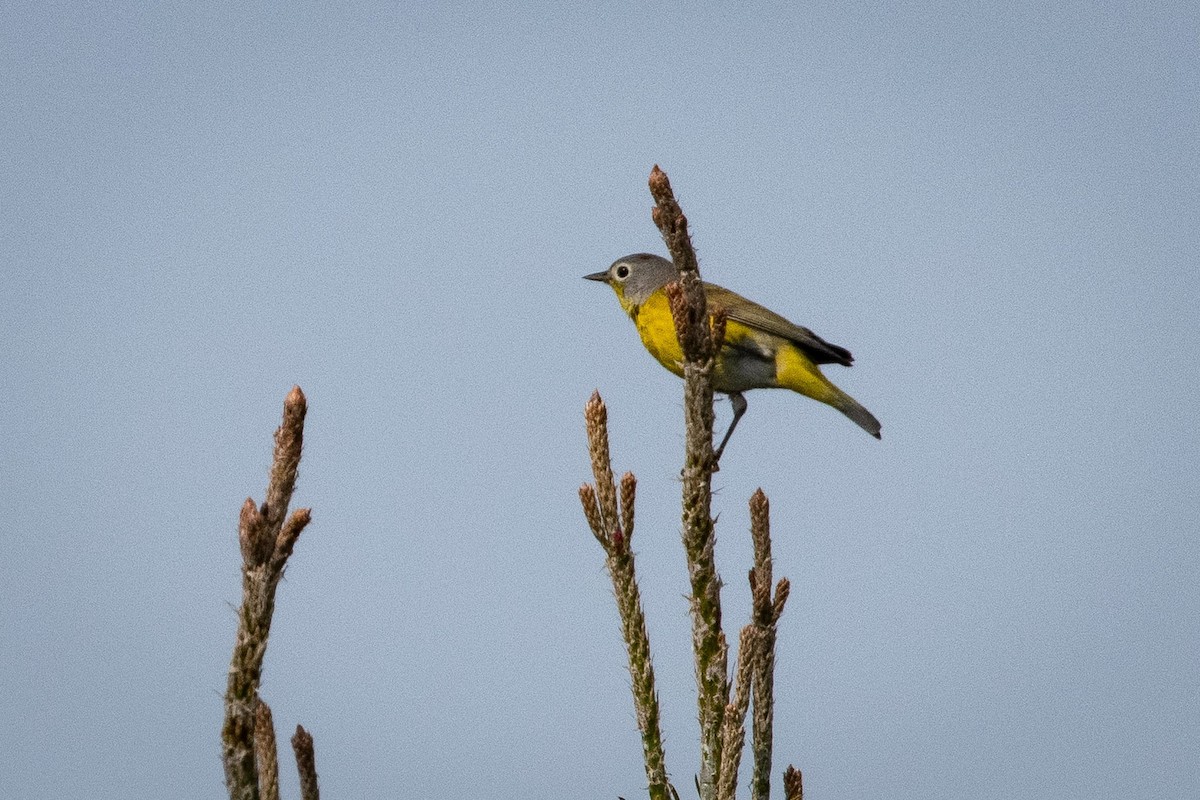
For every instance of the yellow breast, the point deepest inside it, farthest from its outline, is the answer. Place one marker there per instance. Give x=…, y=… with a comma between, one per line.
x=746, y=361
x=656, y=326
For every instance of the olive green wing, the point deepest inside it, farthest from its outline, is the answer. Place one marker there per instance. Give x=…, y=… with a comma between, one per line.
x=752, y=314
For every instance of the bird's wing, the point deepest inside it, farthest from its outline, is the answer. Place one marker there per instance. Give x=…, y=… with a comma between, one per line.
x=752, y=314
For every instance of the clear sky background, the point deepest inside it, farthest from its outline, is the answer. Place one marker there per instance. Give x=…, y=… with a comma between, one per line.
x=996, y=208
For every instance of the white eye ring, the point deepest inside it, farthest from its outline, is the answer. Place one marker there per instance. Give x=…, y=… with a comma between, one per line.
x=622, y=272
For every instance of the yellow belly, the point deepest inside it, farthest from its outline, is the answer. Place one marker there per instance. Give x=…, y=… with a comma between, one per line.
x=749, y=359
x=656, y=326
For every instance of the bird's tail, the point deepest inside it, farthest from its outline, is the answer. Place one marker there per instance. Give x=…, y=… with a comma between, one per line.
x=795, y=371
x=855, y=411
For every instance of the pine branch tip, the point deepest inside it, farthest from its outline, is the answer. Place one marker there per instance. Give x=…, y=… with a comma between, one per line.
x=252, y=535
x=793, y=784
x=296, y=397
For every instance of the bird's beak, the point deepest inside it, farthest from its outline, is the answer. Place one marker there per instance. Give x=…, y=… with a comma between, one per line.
x=597, y=276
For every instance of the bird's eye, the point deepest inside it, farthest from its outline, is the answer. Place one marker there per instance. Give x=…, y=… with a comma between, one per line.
x=622, y=272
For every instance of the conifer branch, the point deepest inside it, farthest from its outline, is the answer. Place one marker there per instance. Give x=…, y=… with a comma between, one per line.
x=613, y=528
x=266, y=536
x=696, y=337
x=306, y=764
x=766, y=612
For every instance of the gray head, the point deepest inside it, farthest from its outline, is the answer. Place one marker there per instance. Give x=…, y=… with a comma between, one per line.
x=636, y=277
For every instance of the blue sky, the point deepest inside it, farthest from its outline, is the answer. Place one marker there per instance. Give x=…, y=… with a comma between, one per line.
x=994, y=208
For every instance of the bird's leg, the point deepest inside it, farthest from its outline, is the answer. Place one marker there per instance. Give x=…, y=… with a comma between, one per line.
x=739, y=408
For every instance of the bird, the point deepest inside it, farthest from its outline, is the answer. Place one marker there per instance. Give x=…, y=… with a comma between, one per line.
x=761, y=349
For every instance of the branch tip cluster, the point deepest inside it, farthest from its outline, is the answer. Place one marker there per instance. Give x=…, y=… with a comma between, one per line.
x=793, y=784
x=306, y=764
x=611, y=524
x=266, y=536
